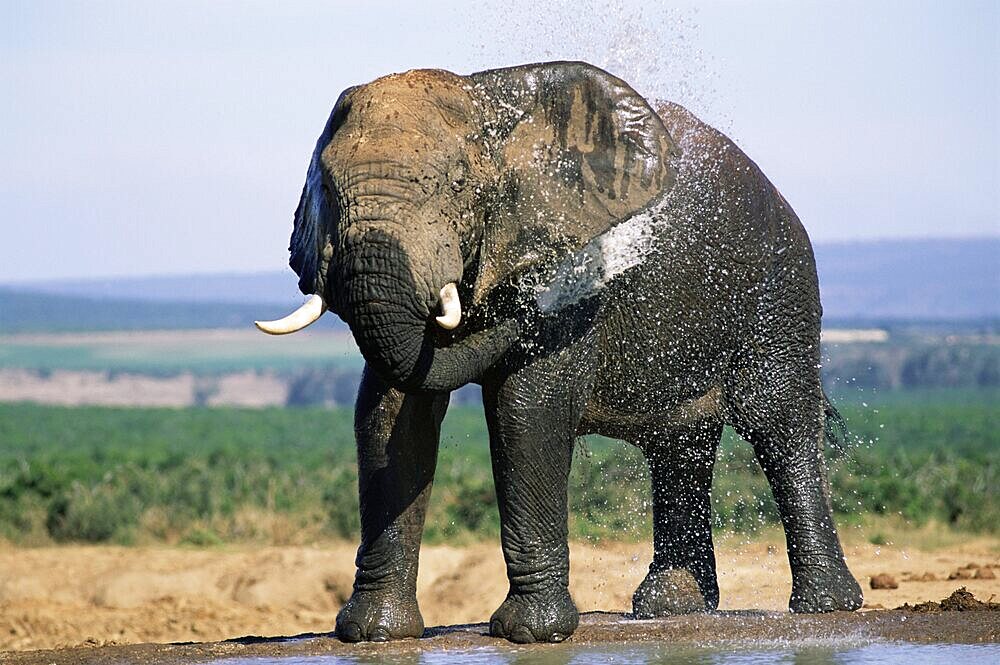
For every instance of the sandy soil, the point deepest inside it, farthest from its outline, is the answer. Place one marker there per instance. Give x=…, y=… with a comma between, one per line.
x=64, y=596
x=73, y=388
x=181, y=350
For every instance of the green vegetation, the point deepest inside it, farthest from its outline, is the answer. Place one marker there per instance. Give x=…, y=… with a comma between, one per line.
x=205, y=476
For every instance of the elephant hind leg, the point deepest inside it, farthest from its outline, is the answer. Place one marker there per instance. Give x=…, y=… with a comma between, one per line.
x=793, y=462
x=778, y=406
x=682, y=576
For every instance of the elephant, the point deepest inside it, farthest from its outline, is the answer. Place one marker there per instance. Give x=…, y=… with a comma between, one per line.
x=597, y=265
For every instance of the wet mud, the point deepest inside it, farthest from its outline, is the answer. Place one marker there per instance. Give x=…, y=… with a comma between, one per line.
x=754, y=629
x=961, y=600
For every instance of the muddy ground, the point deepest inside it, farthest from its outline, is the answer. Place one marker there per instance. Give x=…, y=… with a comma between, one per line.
x=71, y=596
x=754, y=630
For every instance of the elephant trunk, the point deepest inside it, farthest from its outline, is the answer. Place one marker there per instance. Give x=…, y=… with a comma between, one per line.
x=393, y=322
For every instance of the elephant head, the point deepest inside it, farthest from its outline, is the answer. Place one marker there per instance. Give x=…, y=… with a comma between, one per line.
x=428, y=190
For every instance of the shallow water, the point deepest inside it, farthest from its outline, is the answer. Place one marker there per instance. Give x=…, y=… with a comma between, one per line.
x=667, y=654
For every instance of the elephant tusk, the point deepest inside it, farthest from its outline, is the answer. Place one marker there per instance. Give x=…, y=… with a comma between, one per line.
x=451, y=307
x=309, y=312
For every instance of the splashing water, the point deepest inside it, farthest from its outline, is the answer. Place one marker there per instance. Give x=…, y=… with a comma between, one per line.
x=631, y=242
x=653, y=48
x=656, y=50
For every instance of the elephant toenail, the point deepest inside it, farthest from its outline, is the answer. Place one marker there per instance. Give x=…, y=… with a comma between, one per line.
x=379, y=634
x=349, y=632
x=521, y=635
x=496, y=628
x=556, y=637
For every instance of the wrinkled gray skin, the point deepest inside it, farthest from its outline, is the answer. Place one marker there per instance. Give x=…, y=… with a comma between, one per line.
x=494, y=181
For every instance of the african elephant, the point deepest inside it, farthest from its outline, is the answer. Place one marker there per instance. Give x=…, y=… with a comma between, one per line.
x=598, y=267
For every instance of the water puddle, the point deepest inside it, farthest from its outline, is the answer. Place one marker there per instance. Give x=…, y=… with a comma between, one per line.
x=812, y=653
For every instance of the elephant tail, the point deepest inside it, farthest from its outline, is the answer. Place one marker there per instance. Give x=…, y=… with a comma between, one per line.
x=834, y=426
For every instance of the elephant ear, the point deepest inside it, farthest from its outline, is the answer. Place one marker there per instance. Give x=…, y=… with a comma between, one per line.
x=311, y=244
x=578, y=150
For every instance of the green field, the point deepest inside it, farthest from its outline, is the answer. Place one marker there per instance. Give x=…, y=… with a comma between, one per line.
x=206, y=476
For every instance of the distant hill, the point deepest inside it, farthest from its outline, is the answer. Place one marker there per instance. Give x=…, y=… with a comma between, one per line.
x=278, y=287
x=893, y=280
x=47, y=312
x=880, y=281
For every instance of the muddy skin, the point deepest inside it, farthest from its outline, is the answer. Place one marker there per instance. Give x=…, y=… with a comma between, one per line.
x=669, y=591
x=394, y=438
x=621, y=270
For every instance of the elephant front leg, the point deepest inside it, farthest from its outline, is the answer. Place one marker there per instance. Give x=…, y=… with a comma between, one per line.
x=531, y=438
x=682, y=577
x=397, y=436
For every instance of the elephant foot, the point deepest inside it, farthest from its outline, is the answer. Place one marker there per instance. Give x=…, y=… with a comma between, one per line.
x=824, y=587
x=535, y=617
x=667, y=592
x=379, y=616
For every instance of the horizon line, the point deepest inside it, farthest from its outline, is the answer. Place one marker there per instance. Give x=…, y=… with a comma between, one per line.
x=20, y=282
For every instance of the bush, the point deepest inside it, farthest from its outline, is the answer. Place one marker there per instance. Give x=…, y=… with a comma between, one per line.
x=105, y=512
x=340, y=503
x=222, y=475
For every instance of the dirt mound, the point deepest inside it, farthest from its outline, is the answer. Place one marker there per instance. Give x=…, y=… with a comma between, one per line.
x=883, y=581
x=960, y=600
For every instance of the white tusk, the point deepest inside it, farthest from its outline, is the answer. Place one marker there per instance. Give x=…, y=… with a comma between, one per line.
x=311, y=310
x=451, y=307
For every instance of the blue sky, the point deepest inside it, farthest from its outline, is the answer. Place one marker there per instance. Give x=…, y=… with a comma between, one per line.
x=143, y=138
